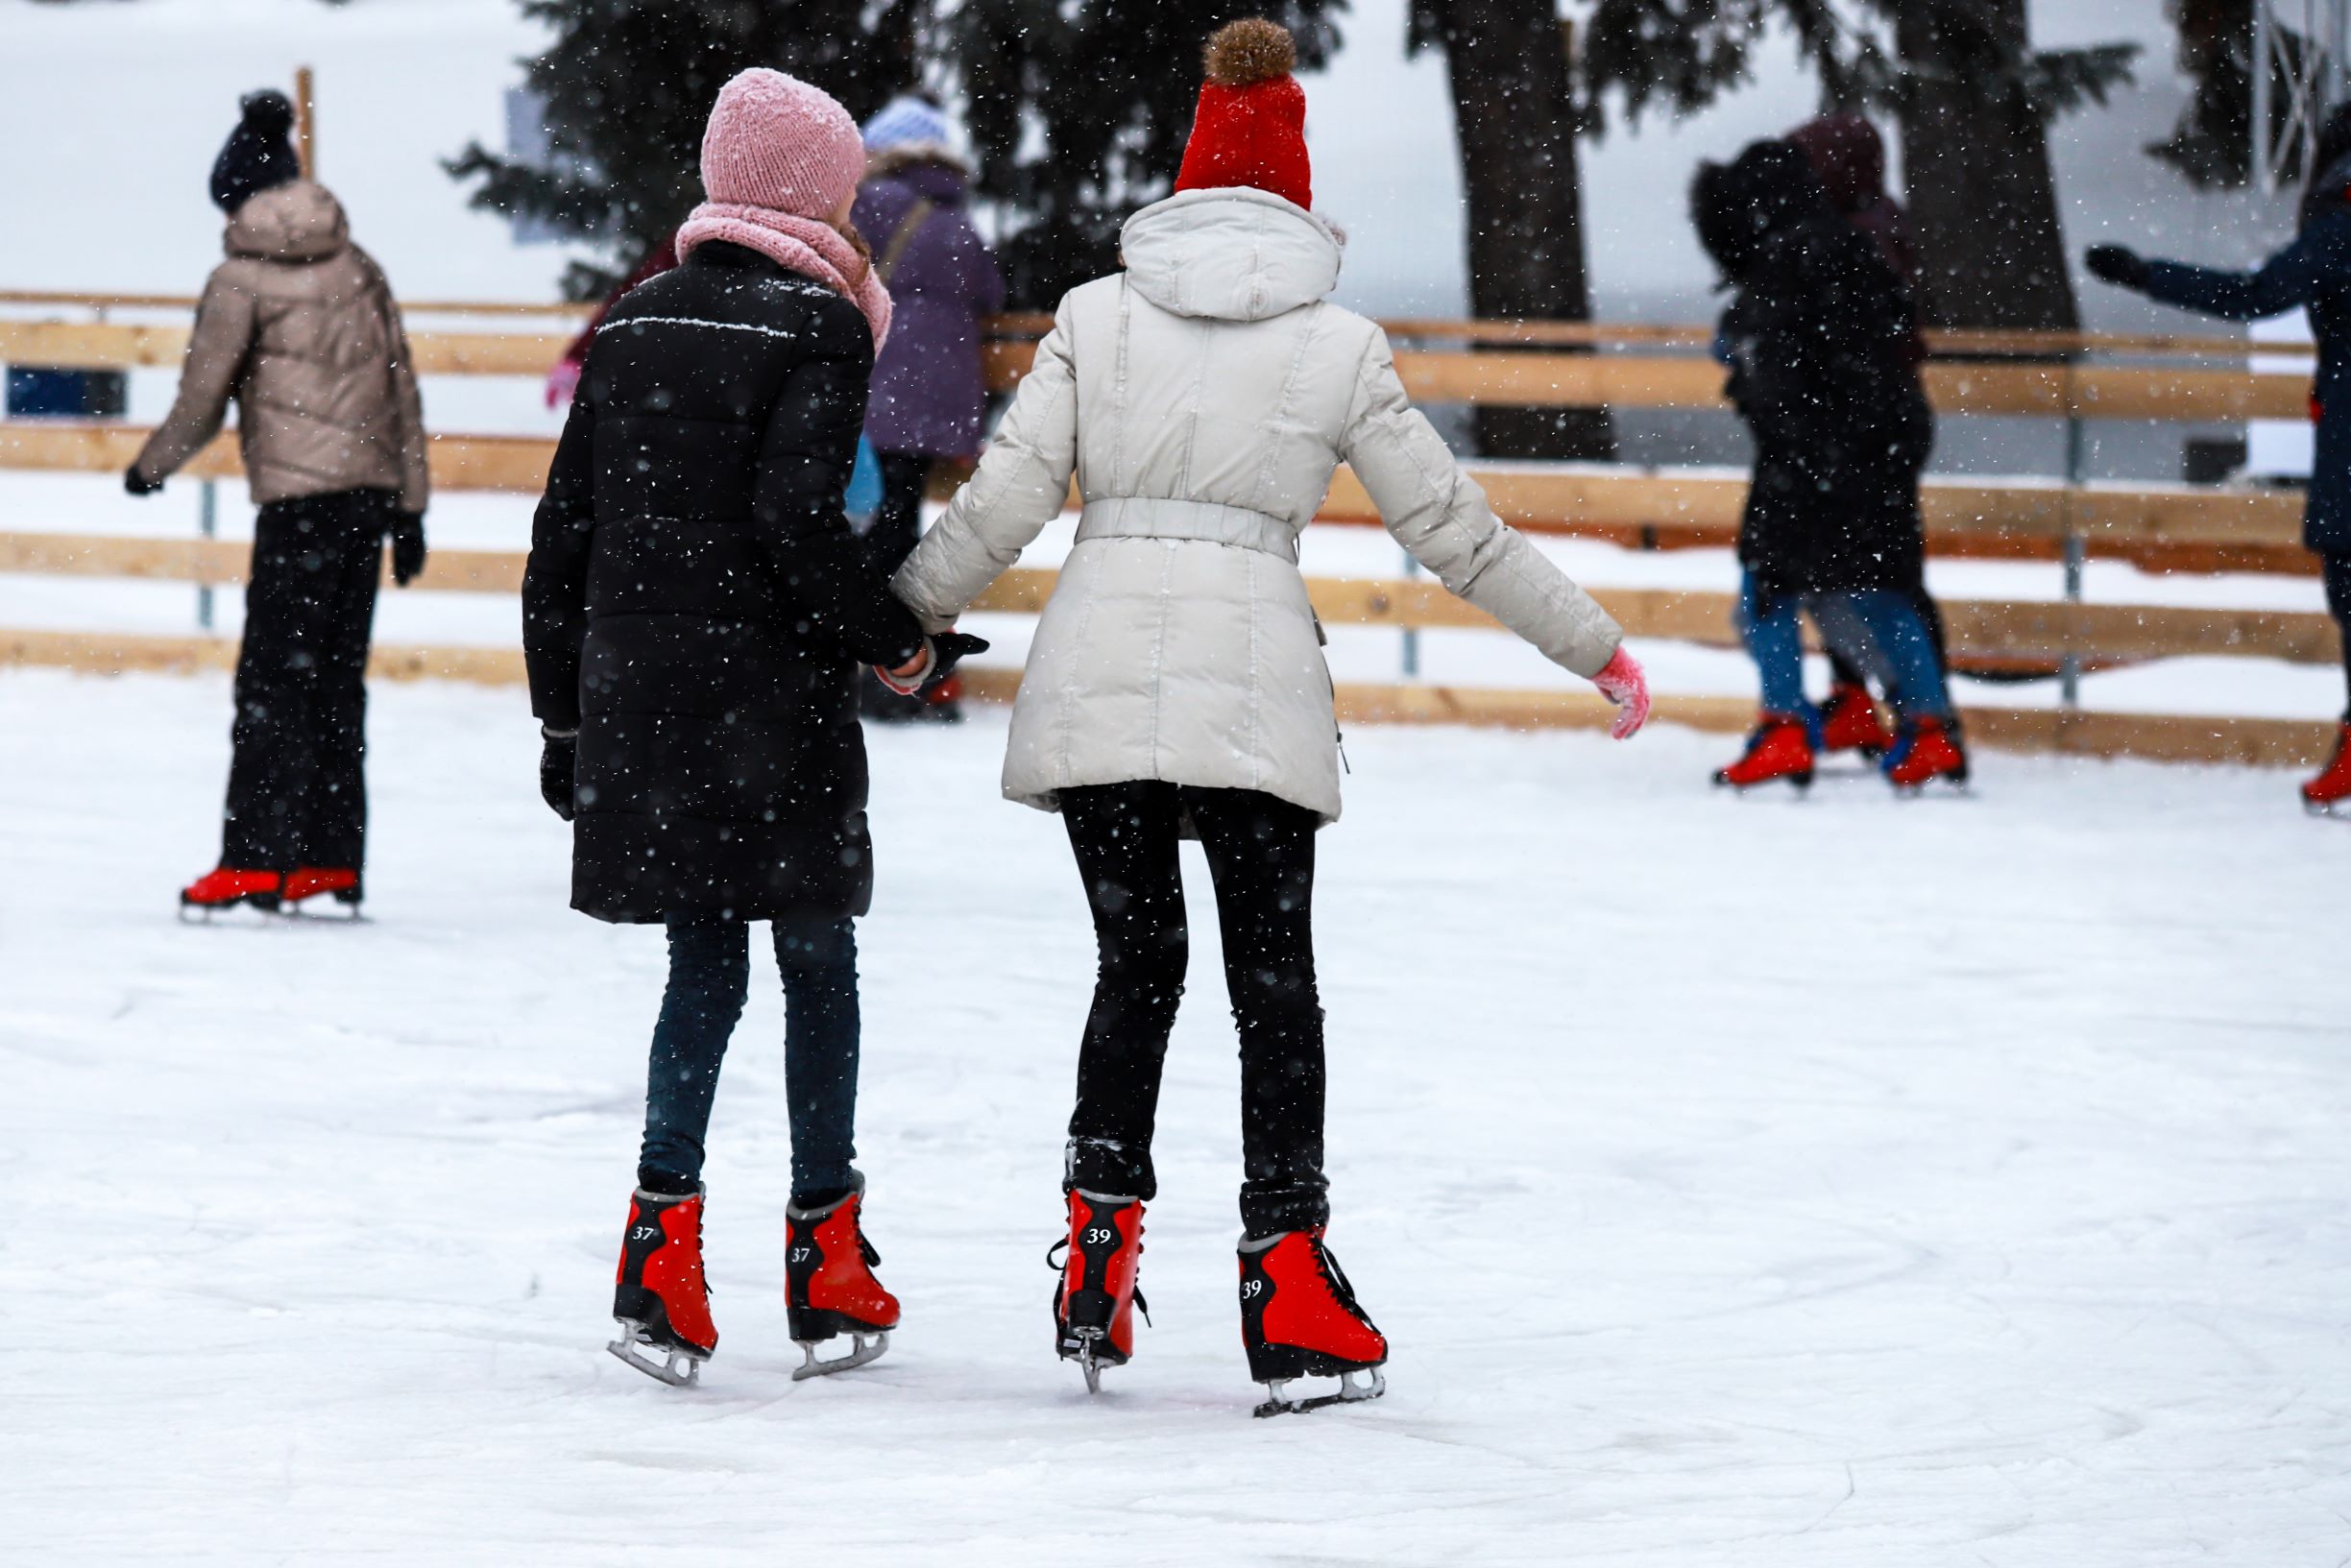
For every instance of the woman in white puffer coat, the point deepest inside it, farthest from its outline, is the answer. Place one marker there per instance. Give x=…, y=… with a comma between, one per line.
x=1176, y=685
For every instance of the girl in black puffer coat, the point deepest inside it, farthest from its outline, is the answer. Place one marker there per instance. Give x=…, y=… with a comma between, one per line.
x=694, y=610
x=1819, y=340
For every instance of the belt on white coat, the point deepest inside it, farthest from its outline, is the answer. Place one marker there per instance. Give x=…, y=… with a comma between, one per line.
x=1206, y=522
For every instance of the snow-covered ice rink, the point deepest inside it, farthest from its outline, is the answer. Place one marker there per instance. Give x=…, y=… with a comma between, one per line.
x=1844, y=1182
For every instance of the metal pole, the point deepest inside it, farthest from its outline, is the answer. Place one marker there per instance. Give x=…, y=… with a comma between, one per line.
x=1411, y=634
x=208, y=523
x=2265, y=145
x=2069, y=666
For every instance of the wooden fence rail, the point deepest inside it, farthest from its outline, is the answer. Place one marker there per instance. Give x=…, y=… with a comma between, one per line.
x=1531, y=379
x=1981, y=629
x=1959, y=342
x=1539, y=499
x=2259, y=741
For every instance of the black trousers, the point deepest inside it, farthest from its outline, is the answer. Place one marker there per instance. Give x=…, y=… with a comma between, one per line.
x=2338, y=571
x=1261, y=859
x=296, y=793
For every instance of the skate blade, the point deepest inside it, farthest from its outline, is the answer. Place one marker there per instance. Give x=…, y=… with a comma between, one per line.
x=1086, y=1339
x=632, y=1345
x=1349, y=1392
x=351, y=915
x=869, y=1349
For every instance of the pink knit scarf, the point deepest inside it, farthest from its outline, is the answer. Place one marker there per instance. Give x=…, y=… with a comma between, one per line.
x=813, y=249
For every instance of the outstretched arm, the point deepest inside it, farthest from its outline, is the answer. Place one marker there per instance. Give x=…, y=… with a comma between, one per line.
x=1021, y=485
x=2319, y=255
x=1438, y=514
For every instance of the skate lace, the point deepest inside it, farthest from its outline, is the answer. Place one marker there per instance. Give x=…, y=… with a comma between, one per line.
x=1056, y=1259
x=1336, y=1278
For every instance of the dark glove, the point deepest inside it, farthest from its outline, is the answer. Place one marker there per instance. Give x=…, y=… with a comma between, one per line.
x=2118, y=265
x=138, y=484
x=949, y=649
x=557, y=766
x=407, y=547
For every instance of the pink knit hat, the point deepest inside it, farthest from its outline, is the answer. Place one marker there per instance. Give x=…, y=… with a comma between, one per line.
x=776, y=142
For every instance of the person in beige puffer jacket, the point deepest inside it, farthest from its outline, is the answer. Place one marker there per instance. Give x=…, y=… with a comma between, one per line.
x=299, y=327
x=1202, y=399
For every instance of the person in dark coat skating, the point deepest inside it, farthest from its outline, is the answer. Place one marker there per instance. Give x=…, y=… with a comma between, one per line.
x=2313, y=272
x=694, y=610
x=929, y=389
x=299, y=329
x=1848, y=157
x=1818, y=341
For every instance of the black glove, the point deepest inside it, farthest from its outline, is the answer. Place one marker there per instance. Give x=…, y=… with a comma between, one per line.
x=138, y=484
x=2118, y=265
x=949, y=649
x=558, y=765
x=407, y=547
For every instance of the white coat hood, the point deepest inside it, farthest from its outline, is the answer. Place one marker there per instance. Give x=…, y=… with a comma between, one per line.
x=1230, y=253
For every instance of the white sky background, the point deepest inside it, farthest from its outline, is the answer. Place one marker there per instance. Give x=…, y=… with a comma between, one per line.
x=112, y=114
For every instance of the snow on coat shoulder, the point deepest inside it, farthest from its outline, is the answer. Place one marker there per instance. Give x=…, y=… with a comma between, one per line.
x=1201, y=402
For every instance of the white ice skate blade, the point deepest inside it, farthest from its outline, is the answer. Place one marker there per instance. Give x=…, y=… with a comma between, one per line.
x=1349, y=1392
x=869, y=1349
x=631, y=1346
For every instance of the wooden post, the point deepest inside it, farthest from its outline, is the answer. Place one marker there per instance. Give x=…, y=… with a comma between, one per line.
x=305, y=122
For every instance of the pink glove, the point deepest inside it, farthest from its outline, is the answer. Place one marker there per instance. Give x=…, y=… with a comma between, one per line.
x=562, y=382
x=1621, y=681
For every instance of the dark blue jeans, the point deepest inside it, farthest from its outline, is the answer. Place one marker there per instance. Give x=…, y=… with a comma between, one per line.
x=709, y=977
x=1878, y=629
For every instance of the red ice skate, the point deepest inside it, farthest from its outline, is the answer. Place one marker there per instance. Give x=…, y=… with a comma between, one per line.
x=660, y=1297
x=1850, y=722
x=1780, y=748
x=1094, y=1306
x=2328, y=792
x=309, y=882
x=1299, y=1319
x=829, y=1285
x=228, y=888
x=1927, y=750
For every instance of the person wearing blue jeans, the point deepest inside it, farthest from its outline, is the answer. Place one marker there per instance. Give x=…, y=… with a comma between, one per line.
x=710, y=974
x=1820, y=342
x=1879, y=629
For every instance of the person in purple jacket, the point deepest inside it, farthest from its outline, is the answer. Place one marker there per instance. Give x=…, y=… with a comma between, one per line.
x=929, y=391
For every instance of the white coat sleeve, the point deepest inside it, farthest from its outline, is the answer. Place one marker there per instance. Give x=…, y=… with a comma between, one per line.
x=1441, y=517
x=1021, y=485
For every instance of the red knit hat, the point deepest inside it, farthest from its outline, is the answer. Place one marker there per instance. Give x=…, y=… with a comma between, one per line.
x=1252, y=125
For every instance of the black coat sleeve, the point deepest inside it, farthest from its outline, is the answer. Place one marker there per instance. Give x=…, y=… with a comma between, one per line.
x=805, y=460
x=555, y=583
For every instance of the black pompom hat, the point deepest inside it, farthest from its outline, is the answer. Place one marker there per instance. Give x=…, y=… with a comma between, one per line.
x=260, y=153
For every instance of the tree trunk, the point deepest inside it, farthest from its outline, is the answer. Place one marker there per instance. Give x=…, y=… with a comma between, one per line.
x=1514, y=113
x=1975, y=167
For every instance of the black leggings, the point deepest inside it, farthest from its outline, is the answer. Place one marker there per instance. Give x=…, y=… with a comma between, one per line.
x=1261, y=859
x=2338, y=571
